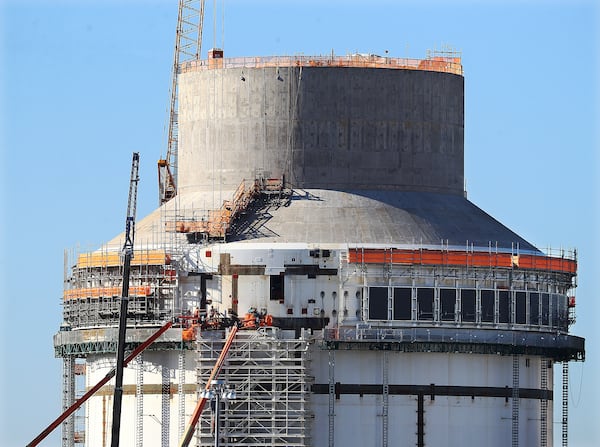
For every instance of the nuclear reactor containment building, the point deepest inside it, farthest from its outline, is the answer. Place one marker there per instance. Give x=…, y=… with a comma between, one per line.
x=320, y=200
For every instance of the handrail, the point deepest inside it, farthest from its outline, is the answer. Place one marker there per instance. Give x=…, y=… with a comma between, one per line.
x=462, y=258
x=113, y=258
x=442, y=64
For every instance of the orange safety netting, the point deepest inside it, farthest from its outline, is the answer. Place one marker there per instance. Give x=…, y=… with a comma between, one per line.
x=462, y=258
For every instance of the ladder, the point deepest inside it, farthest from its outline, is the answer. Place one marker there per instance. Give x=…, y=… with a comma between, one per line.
x=139, y=402
x=68, y=428
x=515, y=401
x=331, y=397
x=565, y=404
x=386, y=398
x=180, y=394
x=544, y=402
x=165, y=390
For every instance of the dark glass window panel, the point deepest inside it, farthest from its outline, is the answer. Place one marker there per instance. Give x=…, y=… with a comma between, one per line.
x=402, y=303
x=534, y=308
x=545, y=309
x=503, y=306
x=378, y=303
x=276, y=287
x=563, y=312
x=487, y=306
x=425, y=303
x=467, y=305
x=521, y=307
x=448, y=304
x=554, y=310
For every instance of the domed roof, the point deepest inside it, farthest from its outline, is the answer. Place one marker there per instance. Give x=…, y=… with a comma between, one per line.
x=392, y=218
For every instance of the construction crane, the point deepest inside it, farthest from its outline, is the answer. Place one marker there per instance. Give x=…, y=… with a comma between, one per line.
x=127, y=254
x=188, y=44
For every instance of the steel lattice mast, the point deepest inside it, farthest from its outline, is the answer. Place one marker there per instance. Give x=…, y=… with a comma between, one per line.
x=128, y=254
x=188, y=45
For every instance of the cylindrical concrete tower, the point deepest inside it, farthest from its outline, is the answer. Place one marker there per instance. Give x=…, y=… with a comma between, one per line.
x=322, y=198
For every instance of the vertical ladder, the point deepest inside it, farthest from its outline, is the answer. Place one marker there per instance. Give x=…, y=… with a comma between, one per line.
x=331, y=397
x=388, y=272
x=544, y=362
x=515, y=401
x=180, y=394
x=364, y=311
x=386, y=396
x=68, y=397
x=565, y=404
x=139, y=402
x=166, y=410
x=79, y=418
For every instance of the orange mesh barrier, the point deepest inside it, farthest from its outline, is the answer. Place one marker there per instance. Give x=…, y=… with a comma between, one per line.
x=462, y=258
x=113, y=259
x=99, y=292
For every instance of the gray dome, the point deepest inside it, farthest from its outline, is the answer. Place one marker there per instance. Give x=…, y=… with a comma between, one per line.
x=375, y=217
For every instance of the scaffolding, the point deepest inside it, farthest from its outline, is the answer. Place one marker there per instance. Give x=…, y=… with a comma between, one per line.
x=93, y=288
x=271, y=377
x=510, y=290
x=217, y=224
x=68, y=398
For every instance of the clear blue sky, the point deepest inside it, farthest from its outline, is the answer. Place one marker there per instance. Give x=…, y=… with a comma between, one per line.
x=85, y=83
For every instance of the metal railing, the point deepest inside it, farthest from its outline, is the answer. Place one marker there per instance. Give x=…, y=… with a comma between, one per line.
x=462, y=336
x=442, y=64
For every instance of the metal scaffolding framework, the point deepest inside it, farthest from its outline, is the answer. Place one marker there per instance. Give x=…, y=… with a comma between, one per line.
x=272, y=383
x=93, y=288
x=68, y=397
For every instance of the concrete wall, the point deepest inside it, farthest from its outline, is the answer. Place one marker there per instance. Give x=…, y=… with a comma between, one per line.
x=323, y=127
